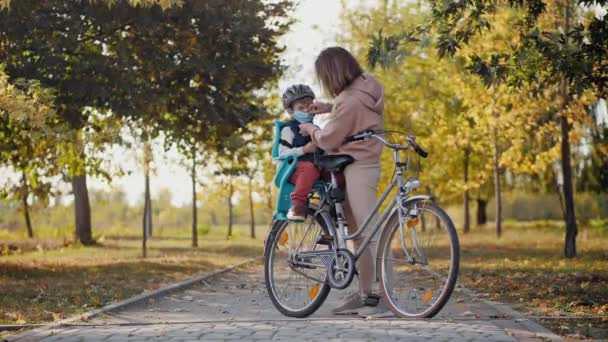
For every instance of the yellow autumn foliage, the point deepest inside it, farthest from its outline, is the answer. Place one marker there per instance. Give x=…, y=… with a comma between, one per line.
x=452, y=111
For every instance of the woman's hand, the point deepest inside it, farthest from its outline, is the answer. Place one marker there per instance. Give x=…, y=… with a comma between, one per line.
x=309, y=148
x=319, y=108
x=307, y=128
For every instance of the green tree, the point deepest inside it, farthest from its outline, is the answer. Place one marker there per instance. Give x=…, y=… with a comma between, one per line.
x=232, y=162
x=54, y=42
x=31, y=142
x=146, y=64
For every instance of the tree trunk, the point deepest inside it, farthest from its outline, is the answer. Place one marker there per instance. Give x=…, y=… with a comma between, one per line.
x=82, y=210
x=251, y=214
x=144, y=235
x=482, y=217
x=194, y=209
x=230, y=190
x=422, y=222
x=147, y=218
x=467, y=214
x=148, y=161
x=149, y=213
x=269, y=198
x=571, y=228
x=26, y=207
x=497, y=190
x=213, y=217
x=82, y=206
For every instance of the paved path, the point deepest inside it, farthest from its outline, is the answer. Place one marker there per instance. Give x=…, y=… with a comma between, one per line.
x=235, y=306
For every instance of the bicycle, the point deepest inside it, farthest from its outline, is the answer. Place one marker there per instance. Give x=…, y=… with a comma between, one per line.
x=416, y=262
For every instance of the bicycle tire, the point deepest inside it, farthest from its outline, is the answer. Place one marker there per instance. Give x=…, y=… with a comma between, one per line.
x=384, y=245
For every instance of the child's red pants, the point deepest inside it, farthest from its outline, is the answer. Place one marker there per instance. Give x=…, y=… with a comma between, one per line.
x=304, y=177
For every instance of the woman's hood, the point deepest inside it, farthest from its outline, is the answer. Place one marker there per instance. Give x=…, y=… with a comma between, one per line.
x=369, y=91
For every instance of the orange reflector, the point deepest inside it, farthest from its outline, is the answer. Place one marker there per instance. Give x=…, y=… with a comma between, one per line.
x=412, y=222
x=283, y=238
x=313, y=291
x=428, y=295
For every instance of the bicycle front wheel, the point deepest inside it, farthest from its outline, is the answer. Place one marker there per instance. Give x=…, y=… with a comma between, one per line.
x=419, y=261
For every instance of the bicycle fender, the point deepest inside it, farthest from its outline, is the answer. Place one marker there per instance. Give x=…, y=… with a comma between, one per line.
x=417, y=198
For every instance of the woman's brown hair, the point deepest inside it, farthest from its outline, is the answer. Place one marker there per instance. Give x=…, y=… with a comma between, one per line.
x=336, y=68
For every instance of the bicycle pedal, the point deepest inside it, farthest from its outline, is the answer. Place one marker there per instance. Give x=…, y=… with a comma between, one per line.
x=371, y=300
x=325, y=239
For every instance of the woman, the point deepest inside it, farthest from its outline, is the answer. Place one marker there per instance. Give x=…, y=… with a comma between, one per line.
x=358, y=105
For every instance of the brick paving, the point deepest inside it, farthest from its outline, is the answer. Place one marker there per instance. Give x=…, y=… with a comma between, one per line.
x=235, y=306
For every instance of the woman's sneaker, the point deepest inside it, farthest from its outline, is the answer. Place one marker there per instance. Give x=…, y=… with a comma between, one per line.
x=350, y=305
x=296, y=213
x=378, y=311
x=353, y=303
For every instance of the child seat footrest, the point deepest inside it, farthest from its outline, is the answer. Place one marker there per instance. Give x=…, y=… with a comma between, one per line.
x=325, y=239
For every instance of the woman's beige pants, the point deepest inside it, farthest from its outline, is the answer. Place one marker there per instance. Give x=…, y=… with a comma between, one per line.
x=361, y=189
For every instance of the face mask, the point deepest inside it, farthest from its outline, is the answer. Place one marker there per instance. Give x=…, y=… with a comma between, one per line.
x=302, y=117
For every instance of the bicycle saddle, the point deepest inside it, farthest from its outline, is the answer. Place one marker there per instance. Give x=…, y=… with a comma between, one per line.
x=335, y=162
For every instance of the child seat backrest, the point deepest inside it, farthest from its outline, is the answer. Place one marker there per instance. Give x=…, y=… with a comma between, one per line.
x=278, y=126
x=285, y=167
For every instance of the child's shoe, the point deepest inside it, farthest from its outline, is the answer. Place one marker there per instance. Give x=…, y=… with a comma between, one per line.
x=297, y=213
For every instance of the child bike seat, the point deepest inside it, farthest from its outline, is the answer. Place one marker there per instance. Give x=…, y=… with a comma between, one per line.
x=286, y=164
x=334, y=162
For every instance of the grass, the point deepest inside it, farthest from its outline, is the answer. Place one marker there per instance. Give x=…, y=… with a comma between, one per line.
x=526, y=268
x=48, y=285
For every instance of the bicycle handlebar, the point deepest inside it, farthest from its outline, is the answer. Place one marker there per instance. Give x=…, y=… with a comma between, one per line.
x=411, y=141
x=359, y=136
x=421, y=152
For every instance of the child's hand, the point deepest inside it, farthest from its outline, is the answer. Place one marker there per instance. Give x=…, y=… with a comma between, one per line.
x=306, y=129
x=319, y=108
x=309, y=148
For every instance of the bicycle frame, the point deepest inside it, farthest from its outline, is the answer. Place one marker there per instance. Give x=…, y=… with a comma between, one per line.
x=401, y=199
x=404, y=188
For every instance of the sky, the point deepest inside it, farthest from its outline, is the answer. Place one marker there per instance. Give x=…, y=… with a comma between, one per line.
x=316, y=28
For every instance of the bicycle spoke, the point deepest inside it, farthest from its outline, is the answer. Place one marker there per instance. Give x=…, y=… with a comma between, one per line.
x=291, y=282
x=416, y=280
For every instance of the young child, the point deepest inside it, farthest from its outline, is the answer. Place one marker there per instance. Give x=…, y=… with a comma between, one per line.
x=296, y=100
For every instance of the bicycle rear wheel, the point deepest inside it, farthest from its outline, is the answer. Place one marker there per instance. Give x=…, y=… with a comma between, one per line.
x=419, y=263
x=296, y=290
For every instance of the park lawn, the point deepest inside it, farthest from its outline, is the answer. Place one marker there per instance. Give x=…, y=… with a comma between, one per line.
x=526, y=268
x=49, y=285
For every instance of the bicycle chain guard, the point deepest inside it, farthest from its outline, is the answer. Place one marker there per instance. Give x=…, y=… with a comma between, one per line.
x=341, y=270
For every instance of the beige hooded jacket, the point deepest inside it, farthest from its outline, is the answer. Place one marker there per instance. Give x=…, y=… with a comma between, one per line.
x=358, y=107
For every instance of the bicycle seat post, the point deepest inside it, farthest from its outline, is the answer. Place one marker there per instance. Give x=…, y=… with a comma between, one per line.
x=337, y=196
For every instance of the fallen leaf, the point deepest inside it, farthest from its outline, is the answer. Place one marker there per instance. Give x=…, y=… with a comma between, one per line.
x=469, y=314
